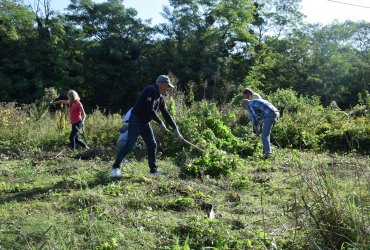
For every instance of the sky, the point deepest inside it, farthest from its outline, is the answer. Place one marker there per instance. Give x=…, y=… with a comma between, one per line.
x=317, y=11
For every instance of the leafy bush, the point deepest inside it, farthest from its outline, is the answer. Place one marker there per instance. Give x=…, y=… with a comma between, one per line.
x=285, y=100
x=311, y=126
x=103, y=129
x=348, y=139
x=215, y=165
x=203, y=233
x=305, y=124
x=363, y=106
x=204, y=125
x=182, y=204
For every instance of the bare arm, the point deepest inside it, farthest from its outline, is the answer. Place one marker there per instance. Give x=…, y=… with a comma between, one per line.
x=61, y=101
x=83, y=114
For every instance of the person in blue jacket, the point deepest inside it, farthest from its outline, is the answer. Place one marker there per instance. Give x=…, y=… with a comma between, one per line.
x=150, y=101
x=262, y=113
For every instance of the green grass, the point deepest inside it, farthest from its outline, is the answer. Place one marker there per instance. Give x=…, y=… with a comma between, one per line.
x=296, y=201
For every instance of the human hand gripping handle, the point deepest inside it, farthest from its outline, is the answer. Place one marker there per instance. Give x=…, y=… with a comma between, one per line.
x=178, y=134
x=163, y=126
x=257, y=127
x=50, y=104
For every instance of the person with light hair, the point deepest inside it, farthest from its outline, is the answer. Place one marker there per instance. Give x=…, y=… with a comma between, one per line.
x=77, y=117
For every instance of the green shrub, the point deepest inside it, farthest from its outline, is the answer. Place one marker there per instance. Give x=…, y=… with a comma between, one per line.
x=305, y=125
x=216, y=164
x=103, y=129
x=348, y=139
x=182, y=204
x=204, y=125
x=285, y=100
x=314, y=127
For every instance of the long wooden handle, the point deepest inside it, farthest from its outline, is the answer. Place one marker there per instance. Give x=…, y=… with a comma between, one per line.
x=189, y=143
x=193, y=145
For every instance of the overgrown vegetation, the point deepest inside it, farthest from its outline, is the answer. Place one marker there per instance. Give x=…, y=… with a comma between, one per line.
x=313, y=193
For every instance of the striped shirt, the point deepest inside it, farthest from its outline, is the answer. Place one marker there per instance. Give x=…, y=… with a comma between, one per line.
x=260, y=106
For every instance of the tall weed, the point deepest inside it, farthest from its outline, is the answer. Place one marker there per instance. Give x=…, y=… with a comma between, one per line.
x=337, y=218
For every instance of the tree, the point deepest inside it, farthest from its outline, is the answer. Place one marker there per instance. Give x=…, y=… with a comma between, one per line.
x=33, y=57
x=208, y=39
x=276, y=18
x=274, y=22
x=16, y=27
x=330, y=61
x=113, y=55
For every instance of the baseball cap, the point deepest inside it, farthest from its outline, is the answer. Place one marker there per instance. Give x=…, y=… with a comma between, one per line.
x=166, y=79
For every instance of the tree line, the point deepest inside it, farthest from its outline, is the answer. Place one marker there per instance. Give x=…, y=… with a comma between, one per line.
x=212, y=48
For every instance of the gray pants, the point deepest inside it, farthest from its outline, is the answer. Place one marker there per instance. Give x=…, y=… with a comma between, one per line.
x=268, y=123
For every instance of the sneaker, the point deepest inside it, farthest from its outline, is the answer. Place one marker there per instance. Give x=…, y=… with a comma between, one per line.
x=116, y=172
x=155, y=174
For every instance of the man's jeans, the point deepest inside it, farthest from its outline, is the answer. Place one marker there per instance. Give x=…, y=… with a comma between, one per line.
x=135, y=129
x=268, y=123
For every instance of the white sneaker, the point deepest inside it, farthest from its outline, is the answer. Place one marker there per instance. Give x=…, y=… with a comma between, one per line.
x=155, y=174
x=116, y=172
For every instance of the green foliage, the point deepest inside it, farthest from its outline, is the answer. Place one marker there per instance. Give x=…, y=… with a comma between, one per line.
x=22, y=133
x=171, y=107
x=50, y=94
x=184, y=247
x=351, y=137
x=109, y=58
x=182, y=203
x=205, y=37
x=110, y=245
x=103, y=129
x=17, y=20
x=203, y=124
x=337, y=218
x=214, y=164
x=305, y=124
x=286, y=100
x=85, y=48
x=190, y=95
x=363, y=106
x=241, y=182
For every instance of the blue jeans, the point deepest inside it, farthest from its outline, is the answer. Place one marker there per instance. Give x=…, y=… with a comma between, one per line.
x=73, y=137
x=136, y=128
x=268, y=123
